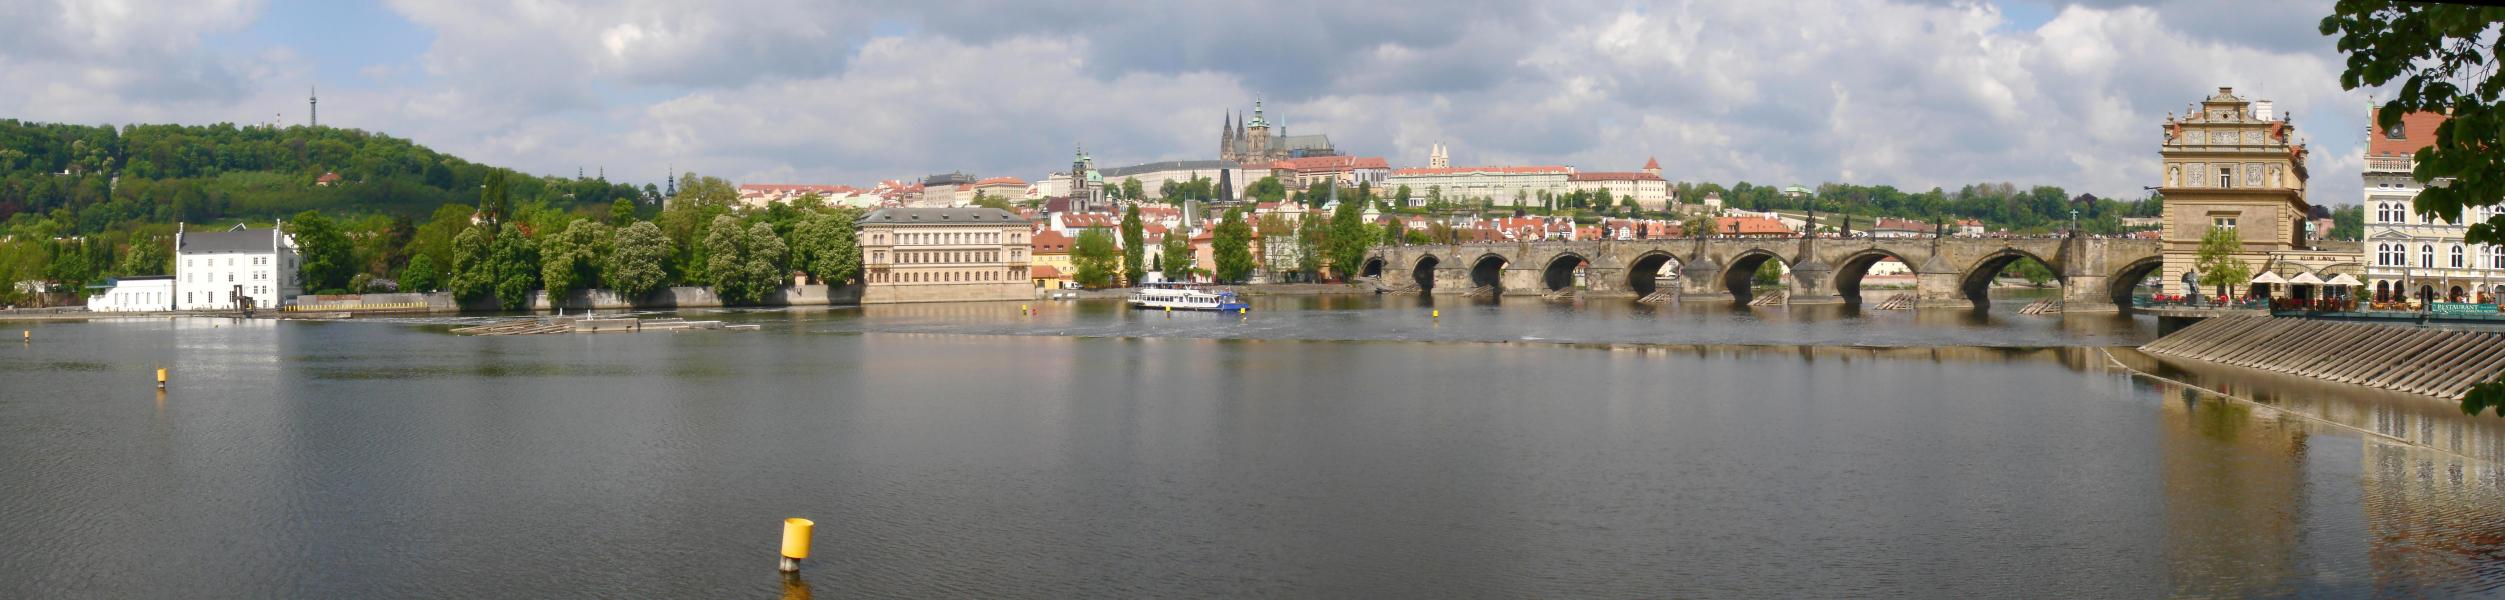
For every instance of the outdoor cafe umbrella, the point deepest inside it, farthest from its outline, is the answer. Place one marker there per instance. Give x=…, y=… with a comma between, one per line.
x=2345, y=281
x=2269, y=278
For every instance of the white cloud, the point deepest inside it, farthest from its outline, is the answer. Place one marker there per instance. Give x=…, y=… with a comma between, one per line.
x=1871, y=91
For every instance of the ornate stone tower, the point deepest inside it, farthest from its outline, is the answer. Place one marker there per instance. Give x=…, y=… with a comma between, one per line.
x=1257, y=136
x=2230, y=163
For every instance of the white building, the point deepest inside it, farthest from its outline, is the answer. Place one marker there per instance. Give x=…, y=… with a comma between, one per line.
x=1649, y=190
x=1502, y=186
x=134, y=294
x=2419, y=257
x=1153, y=176
x=212, y=269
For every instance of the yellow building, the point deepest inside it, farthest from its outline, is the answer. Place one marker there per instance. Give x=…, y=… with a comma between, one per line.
x=1050, y=265
x=2230, y=163
x=943, y=255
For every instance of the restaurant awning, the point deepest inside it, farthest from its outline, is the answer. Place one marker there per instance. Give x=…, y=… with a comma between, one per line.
x=2270, y=277
x=2343, y=279
x=2305, y=279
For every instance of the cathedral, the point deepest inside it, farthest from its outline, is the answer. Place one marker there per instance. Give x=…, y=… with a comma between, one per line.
x=1253, y=142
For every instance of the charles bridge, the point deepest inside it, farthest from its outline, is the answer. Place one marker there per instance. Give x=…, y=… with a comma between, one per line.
x=2095, y=274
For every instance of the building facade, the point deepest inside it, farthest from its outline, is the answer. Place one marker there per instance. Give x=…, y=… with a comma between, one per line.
x=1344, y=171
x=1153, y=176
x=1502, y=186
x=1260, y=141
x=236, y=268
x=943, y=255
x=134, y=294
x=2230, y=163
x=1647, y=187
x=2415, y=257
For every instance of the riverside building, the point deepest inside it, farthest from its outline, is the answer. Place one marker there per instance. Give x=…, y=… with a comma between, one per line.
x=943, y=255
x=2230, y=163
x=236, y=268
x=2417, y=257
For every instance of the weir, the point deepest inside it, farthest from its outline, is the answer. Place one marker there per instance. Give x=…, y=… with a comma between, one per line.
x=2430, y=362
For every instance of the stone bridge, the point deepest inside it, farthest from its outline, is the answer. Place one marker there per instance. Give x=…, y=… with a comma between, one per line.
x=2096, y=274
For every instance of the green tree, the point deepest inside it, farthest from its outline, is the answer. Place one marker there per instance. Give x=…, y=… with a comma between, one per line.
x=1175, y=257
x=1698, y=225
x=150, y=254
x=1093, y=256
x=1131, y=189
x=2217, y=260
x=638, y=263
x=1134, y=247
x=1267, y=189
x=746, y=264
x=325, y=261
x=421, y=275
x=494, y=199
x=516, y=266
x=825, y=246
x=2348, y=223
x=1400, y=197
x=1313, y=235
x=1231, y=248
x=986, y=200
x=621, y=212
x=570, y=259
x=1350, y=237
x=473, y=273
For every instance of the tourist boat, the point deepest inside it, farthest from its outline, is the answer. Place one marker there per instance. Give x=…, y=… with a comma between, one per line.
x=1179, y=296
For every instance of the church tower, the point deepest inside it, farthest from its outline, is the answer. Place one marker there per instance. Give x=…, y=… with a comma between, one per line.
x=1257, y=136
x=1437, y=157
x=1226, y=136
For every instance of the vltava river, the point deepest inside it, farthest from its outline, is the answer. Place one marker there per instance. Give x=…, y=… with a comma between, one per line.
x=1321, y=447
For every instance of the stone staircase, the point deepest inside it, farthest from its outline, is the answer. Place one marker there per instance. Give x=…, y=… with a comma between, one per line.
x=1896, y=302
x=1773, y=298
x=1661, y=297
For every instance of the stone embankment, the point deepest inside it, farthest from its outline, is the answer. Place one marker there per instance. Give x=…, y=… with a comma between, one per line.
x=2443, y=363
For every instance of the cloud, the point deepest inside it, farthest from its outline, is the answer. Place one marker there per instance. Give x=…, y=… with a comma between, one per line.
x=1908, y=93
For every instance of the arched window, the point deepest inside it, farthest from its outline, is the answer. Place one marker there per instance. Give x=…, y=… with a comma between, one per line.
x=2456, y=256
x=2426, y=256
x=2496, y=257
x=2382, y=212
x=2383, y=252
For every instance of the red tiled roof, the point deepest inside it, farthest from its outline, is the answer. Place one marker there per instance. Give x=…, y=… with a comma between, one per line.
x=1000, y=181
x=1042, y=272
x=1613, y=176
x=327, y=178
x=1652, y=164
x=2417, y=131
x=1051, y=242
x=1750, y=226
x=1533, y=170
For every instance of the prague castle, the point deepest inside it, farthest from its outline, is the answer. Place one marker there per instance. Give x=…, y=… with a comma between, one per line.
x=1253, y=142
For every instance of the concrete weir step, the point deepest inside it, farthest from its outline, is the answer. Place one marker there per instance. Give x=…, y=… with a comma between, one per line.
x=2431, y=362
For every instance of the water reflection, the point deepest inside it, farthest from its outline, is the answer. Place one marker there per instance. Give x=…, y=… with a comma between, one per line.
x=1508, y=449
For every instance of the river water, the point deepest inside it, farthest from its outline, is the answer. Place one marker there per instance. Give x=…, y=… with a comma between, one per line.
x=1318, y=447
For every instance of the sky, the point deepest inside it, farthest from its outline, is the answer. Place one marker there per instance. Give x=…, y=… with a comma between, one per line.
x=1910, y=93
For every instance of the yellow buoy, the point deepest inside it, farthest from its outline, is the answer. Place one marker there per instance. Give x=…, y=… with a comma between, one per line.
x=1435, y=314
x=160, y=378
x=795, y=542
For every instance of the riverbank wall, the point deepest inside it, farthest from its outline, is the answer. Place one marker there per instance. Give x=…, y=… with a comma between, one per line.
x=2443, y=363
x=578, y=300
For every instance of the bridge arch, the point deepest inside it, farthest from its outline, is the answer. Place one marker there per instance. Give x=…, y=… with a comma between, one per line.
x=1372, y=268
x=1644, y=274
x=1489, y=271
x=1737, y=276
x=1561, y=269
x=1977, y=282
x=1848, y=272
x=2128, y=278
x=1424, y=272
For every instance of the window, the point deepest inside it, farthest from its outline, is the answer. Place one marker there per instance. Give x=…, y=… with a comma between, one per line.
x=2457, y=256
x=2395, y=132
x=2496, y=257
x=2426, y=256
x=2222, y=222
x=2226, y=177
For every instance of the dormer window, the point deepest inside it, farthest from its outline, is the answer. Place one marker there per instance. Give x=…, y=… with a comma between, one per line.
x=2394, y=133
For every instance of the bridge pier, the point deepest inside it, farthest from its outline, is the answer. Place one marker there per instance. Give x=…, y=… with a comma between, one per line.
x=1700, y=280
x=1813, y=282
x=1938, y=284
x=2087, y=294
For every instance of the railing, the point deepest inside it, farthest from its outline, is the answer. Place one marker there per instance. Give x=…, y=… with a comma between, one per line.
x=2388, y=164
x=2312, y=305
x=2209, y=302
